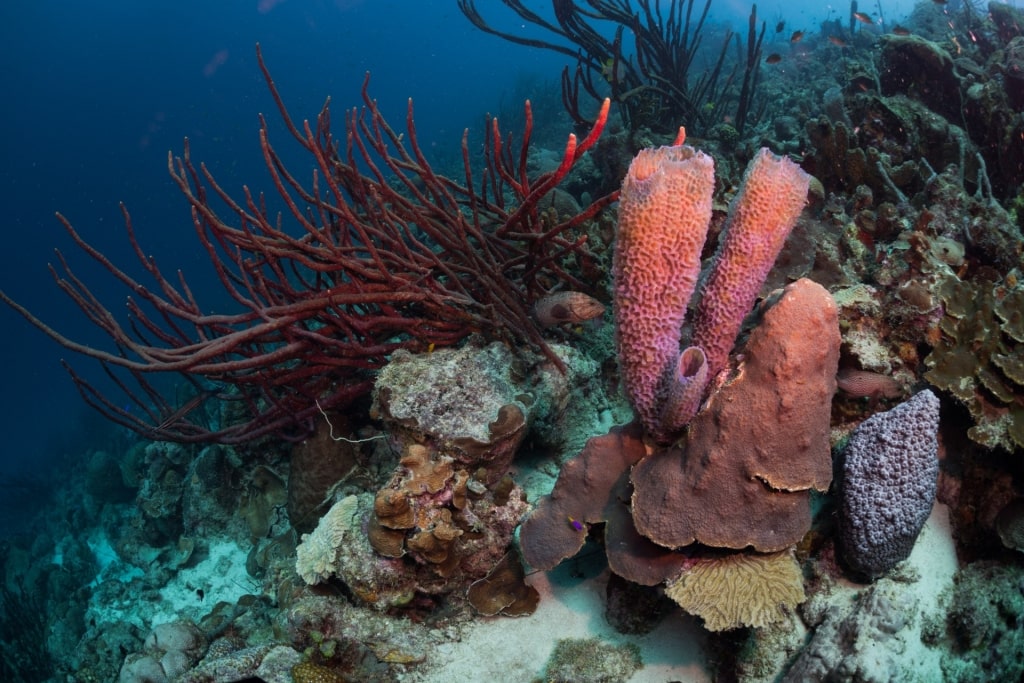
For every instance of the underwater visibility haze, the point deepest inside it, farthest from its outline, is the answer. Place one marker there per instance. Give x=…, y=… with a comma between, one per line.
x=613, y=340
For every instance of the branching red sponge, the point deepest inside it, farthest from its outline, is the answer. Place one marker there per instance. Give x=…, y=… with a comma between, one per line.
x=664, y=211
x=762, y=215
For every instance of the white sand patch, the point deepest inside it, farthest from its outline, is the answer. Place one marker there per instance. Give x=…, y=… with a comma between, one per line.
x=221, y=576
x=517, y=650
x=934, y=560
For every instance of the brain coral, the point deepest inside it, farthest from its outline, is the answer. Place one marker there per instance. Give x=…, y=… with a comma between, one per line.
x=739, y=589
x=890, y=473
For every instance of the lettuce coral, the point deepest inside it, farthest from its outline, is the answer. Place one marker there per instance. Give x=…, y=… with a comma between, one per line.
x=979, y=356
x=317, y=556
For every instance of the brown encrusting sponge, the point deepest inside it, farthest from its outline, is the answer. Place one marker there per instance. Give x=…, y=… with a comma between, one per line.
x=760, y=443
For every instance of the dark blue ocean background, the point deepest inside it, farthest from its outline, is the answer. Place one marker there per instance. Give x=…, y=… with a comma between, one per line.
x=96, y=93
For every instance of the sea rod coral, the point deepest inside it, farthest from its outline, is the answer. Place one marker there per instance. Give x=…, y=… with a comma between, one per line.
x=384, y=254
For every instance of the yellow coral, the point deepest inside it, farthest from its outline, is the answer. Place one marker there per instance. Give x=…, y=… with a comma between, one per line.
x=739, y=589
x=308, y=672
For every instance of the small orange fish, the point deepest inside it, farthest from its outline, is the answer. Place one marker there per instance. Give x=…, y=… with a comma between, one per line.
x=863, y=18
x=796, y=37
x=837, y=41
x=773, y=58
x=900, y=30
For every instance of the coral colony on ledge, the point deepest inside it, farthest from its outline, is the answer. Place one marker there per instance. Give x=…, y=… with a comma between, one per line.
x=775, y=417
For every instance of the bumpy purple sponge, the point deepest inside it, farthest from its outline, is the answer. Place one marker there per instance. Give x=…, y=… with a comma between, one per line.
x=889, y=477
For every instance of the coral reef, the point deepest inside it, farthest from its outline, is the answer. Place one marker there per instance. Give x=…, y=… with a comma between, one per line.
x=381, y=544
x=669, y=505
x=979, y=357
x=985, y=624
x=709, y=488
x=890, y=468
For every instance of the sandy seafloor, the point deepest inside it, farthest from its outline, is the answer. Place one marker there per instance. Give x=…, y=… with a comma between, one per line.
x=572, y=605
x=516, y=650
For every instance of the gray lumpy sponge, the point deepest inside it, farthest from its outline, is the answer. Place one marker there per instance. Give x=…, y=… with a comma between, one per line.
x=890, y=474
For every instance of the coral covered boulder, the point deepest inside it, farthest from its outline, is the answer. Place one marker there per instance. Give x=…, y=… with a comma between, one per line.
x=465, y=402
x=890, y=473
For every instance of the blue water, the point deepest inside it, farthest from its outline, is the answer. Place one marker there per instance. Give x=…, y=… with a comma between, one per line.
x=95, y=94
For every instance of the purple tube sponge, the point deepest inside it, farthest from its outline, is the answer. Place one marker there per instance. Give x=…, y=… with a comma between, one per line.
x=890, y=474
x=686, y=389
x=764, y=212
x=664, y=211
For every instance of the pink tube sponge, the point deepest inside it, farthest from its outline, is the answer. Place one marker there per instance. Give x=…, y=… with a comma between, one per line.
x=664, y=211
x=773, y=193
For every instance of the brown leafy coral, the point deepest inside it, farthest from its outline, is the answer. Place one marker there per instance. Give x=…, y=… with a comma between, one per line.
x=593, y=488
x=979, y=357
